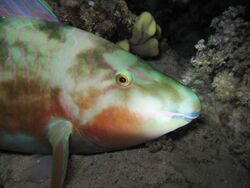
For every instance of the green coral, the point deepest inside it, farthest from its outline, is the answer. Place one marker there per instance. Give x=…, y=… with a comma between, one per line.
x=145, y=37
x=124, y=44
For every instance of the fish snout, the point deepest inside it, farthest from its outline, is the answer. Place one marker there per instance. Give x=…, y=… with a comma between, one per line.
x=190, y=107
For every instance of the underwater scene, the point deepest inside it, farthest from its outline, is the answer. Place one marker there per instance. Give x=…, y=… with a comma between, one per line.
x=124, y=93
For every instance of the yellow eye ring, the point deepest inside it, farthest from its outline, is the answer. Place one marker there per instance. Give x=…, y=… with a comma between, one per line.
x=123, y=78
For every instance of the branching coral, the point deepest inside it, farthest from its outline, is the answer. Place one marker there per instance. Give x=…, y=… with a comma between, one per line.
x=228, y=46
x=222, y=67
x=225, y=56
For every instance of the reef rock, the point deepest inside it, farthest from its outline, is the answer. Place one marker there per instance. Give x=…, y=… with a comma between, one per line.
x=224, y=57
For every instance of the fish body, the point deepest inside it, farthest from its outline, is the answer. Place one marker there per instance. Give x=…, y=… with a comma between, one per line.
x=65, y=90
x=43, y=66
x=51, y=71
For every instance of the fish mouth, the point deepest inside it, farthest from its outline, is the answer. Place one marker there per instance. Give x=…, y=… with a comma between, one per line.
x=183, y=116
x=177, y=115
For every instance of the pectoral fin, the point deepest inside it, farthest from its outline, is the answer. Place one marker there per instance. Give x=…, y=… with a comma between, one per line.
x=59, y=132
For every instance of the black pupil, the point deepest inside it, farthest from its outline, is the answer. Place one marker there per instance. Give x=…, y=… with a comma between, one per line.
x=122, y=79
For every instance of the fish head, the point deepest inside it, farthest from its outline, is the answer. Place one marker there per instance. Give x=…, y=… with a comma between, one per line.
x=128, y=103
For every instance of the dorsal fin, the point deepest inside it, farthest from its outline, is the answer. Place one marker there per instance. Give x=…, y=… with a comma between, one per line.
x=27, y=9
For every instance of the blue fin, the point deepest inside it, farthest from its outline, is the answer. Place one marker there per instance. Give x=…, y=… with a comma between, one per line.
x=27, y=9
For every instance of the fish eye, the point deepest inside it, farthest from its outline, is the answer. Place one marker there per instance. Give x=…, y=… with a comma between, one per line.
x=123, y=78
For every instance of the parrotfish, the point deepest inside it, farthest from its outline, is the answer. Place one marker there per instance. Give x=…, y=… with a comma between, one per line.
x=64, y=90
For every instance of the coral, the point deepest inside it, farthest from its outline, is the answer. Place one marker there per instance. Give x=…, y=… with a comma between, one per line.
x=227, y=47
x=145, y=37
x=112, y=20
x=225, y=56
x=221, y=71
x=124, y=44
x=243, y=92
x=109, y=19
x=225, y=85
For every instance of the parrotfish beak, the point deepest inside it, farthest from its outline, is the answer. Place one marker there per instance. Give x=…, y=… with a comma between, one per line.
x=158, y=123
x=175, y=106
x=189, y=108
